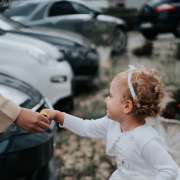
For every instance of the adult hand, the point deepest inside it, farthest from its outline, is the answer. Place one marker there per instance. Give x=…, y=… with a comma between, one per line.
x=32, y=121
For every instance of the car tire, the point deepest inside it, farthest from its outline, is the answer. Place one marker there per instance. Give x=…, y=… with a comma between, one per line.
x=150, y=35
x=119, y=42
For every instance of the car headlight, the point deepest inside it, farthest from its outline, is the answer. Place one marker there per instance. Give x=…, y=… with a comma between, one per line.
x=73, y=52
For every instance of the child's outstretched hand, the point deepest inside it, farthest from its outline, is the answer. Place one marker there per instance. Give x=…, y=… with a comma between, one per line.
x=58, y=116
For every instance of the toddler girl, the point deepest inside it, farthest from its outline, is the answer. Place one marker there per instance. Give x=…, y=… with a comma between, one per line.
x=140, y=152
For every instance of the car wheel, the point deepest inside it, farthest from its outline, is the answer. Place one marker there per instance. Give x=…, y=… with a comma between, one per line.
x=177, y=30
x=150, y=35
x=119, y=42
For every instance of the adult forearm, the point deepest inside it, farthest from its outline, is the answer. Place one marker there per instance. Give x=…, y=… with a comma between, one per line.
x=8, y=113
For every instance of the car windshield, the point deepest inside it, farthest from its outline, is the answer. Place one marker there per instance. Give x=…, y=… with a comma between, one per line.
x=24, y=10
x=7, y=24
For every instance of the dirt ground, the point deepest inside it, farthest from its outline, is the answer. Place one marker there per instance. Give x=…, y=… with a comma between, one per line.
x=85, y=159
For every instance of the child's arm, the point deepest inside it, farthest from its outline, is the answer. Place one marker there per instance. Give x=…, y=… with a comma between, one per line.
x=158, y=157
x=87, y=128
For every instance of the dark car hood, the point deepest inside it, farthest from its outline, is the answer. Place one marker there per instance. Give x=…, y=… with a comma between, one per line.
x=76, y=38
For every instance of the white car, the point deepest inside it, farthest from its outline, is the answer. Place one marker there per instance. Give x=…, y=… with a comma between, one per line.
x=51, y=51
x=30, y=63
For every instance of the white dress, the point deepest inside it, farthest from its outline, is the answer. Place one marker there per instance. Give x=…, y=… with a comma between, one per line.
x=141, y=154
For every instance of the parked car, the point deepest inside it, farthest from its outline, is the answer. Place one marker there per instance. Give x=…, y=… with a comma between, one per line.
x=23, y=155
x=30, y=64
x=74, y=16
x=78, y=51
x=159, y=16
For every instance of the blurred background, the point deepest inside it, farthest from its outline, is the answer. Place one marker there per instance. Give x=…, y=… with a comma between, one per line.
x=62, y=54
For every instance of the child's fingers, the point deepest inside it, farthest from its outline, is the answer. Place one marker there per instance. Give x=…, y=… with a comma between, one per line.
x=44, y=113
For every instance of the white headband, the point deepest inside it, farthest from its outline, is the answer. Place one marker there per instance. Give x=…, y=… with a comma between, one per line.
x=130, y=72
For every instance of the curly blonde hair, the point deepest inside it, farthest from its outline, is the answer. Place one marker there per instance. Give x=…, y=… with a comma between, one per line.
x=149, y=91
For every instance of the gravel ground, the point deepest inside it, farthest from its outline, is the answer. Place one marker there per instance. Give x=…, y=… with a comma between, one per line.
x=85, y=159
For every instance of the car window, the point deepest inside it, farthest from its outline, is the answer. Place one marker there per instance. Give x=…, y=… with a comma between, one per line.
x=61, y=8
x=22, y=10
x=81, y=9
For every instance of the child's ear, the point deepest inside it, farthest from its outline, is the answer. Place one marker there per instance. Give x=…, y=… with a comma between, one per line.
x=128, y=106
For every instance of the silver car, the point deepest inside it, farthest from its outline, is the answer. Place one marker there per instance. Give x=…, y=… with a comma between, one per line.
x=73, y=16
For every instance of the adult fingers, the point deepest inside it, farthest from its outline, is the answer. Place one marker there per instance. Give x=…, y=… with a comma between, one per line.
x=44, y=119
x=43, y=125
x=38, y=129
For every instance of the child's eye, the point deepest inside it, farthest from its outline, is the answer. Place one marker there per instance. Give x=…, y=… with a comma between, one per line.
x=109, y=95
